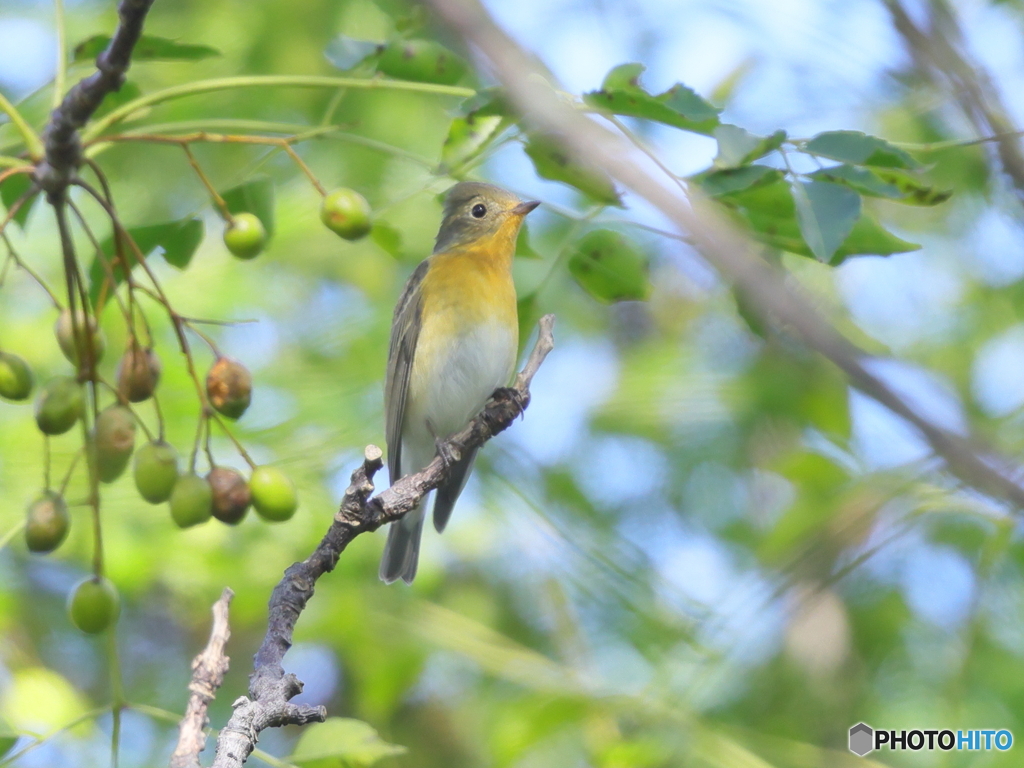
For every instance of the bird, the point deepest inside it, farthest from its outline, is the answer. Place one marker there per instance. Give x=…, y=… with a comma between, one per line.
x=454, y=341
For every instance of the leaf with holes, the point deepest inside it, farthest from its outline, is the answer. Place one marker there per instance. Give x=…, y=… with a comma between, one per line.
x=552, y=162
x=610, y=267
x=255, y=196
x=826, y=213
x=860, y=149
x=341, y=742
x=729, y=180
x=149, y=48
x=679, y=106
x=469, y=136
x=176, y=240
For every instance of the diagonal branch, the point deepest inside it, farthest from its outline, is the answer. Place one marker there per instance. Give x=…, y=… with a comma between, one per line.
x=270, y=687
x=777, y=301
x=62, y=143
x=208, y=670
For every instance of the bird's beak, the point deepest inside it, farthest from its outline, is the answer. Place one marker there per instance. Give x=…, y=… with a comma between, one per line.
x=524, y=208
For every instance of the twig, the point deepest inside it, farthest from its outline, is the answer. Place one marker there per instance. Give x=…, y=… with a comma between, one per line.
x=208, y=670
x=777, y=301
x=270, y=687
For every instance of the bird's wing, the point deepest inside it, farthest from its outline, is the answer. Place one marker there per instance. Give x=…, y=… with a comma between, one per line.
x=405, y=331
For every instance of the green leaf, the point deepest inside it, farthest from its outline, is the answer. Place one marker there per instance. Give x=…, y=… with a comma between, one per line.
x=890, y=183
x=826, y=213
x=8, y=738
x=341, y=742
x=255, y=196
x=488, y=101
x=913, y=190
x=177, y=240
x=523, y=248
x=11, y=191
x=468, y=137
x=387, y=238
x=737, y=147
x=345, y=52
x=551, y=162
x=769, y=211
x=609, y=267
x=724, y=182
x=149, y=48
x=679, y=106
x=860, y=149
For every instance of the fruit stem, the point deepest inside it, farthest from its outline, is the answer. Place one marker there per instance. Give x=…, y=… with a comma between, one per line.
x=209, y=342
x=107, y=268
x=286, y=145
x=19, y=262
x=118, y=702
x=203, y=418
x=238, y=446
x=159, y=417
x=7, y=537
x=223, y=206
x=70, y=470
x=46, y=462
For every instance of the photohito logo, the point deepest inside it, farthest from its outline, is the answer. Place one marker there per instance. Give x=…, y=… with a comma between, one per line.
x=865, y=739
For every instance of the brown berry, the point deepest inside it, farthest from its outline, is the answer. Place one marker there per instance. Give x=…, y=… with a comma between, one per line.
x=229, y=387
x=138, y=373
x=231, y=497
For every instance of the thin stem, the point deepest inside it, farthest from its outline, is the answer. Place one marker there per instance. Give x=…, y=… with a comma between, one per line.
x=106, y=266
x=62, y=54
x=238, y=445
x=8, y=161
x=7, y=537
x=70, y=471
x=198, y=441
x=642, y=146
x=118, y=702
x=33, y=143
x=159, y=417
x=20, y=263
x=332, y=106
x=15, y=207
x=92, y=714
x=46, y=462
x=223, y=206
x=286, y=146
x=209, y=342
x=265, y=81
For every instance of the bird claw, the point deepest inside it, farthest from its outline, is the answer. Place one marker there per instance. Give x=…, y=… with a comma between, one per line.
x=512, y=395
x=448, y=454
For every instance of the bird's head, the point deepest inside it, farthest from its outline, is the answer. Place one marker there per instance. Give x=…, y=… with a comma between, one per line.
x=476, y=212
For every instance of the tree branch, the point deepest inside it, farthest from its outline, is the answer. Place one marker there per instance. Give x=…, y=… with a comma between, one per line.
x=62, y=143
x=270, y=687
x=781, y=304
x=208, y=670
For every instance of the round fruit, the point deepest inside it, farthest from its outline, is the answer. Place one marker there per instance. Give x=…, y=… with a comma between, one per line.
x=59, y=405
x=421, y=60
x=115, y=441
x=191, y=501
x=65, y=331
x=93, y=604
x=48, y=522
x=15, y=377
x=245, y=236
x=231, y=497
x=156, y=471
x=346, y=213
x=138, y=373
x=229, y=387
x=273, y=494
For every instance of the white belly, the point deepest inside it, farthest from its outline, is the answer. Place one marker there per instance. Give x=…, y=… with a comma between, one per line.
x=450, y=389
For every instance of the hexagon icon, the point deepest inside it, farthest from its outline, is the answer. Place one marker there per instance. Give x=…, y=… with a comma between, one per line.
x=862, y=738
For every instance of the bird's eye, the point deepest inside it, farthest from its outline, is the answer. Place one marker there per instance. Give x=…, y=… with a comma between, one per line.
x=479, y=210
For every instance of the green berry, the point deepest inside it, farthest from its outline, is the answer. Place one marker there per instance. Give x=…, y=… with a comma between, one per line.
x=346, y=213
x=231, y=496
x=48, y=523
x=245, y=236
x=156, y=471
x=59, y=405
x=191, y=501
x=273, y=494
x=421, y=60
x=64, y=329
x=15, y=377
x=94, y=605
x=115, y=441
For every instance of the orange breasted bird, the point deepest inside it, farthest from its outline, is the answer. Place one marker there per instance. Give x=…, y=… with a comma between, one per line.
x=454, y=340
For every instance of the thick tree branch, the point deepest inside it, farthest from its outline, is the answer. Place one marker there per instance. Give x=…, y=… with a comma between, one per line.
x=777, y=301
x=270, y=687
x=208, y=670
x=62, y=143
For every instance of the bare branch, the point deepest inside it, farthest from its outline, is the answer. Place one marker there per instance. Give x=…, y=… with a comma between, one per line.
x=780, y=303
x=270, y=687
x=208, y=670
x=63, y=146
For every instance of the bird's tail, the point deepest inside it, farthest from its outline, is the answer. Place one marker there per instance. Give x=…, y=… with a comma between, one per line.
x=402, y=551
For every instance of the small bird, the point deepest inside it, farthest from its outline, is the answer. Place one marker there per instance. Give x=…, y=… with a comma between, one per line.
x=454, y=340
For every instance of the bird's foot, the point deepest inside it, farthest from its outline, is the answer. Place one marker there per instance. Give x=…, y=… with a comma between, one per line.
x=448, y=454
x=512, y=395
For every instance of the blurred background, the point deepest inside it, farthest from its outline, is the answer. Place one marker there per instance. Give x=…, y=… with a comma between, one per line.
x=699, y=547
